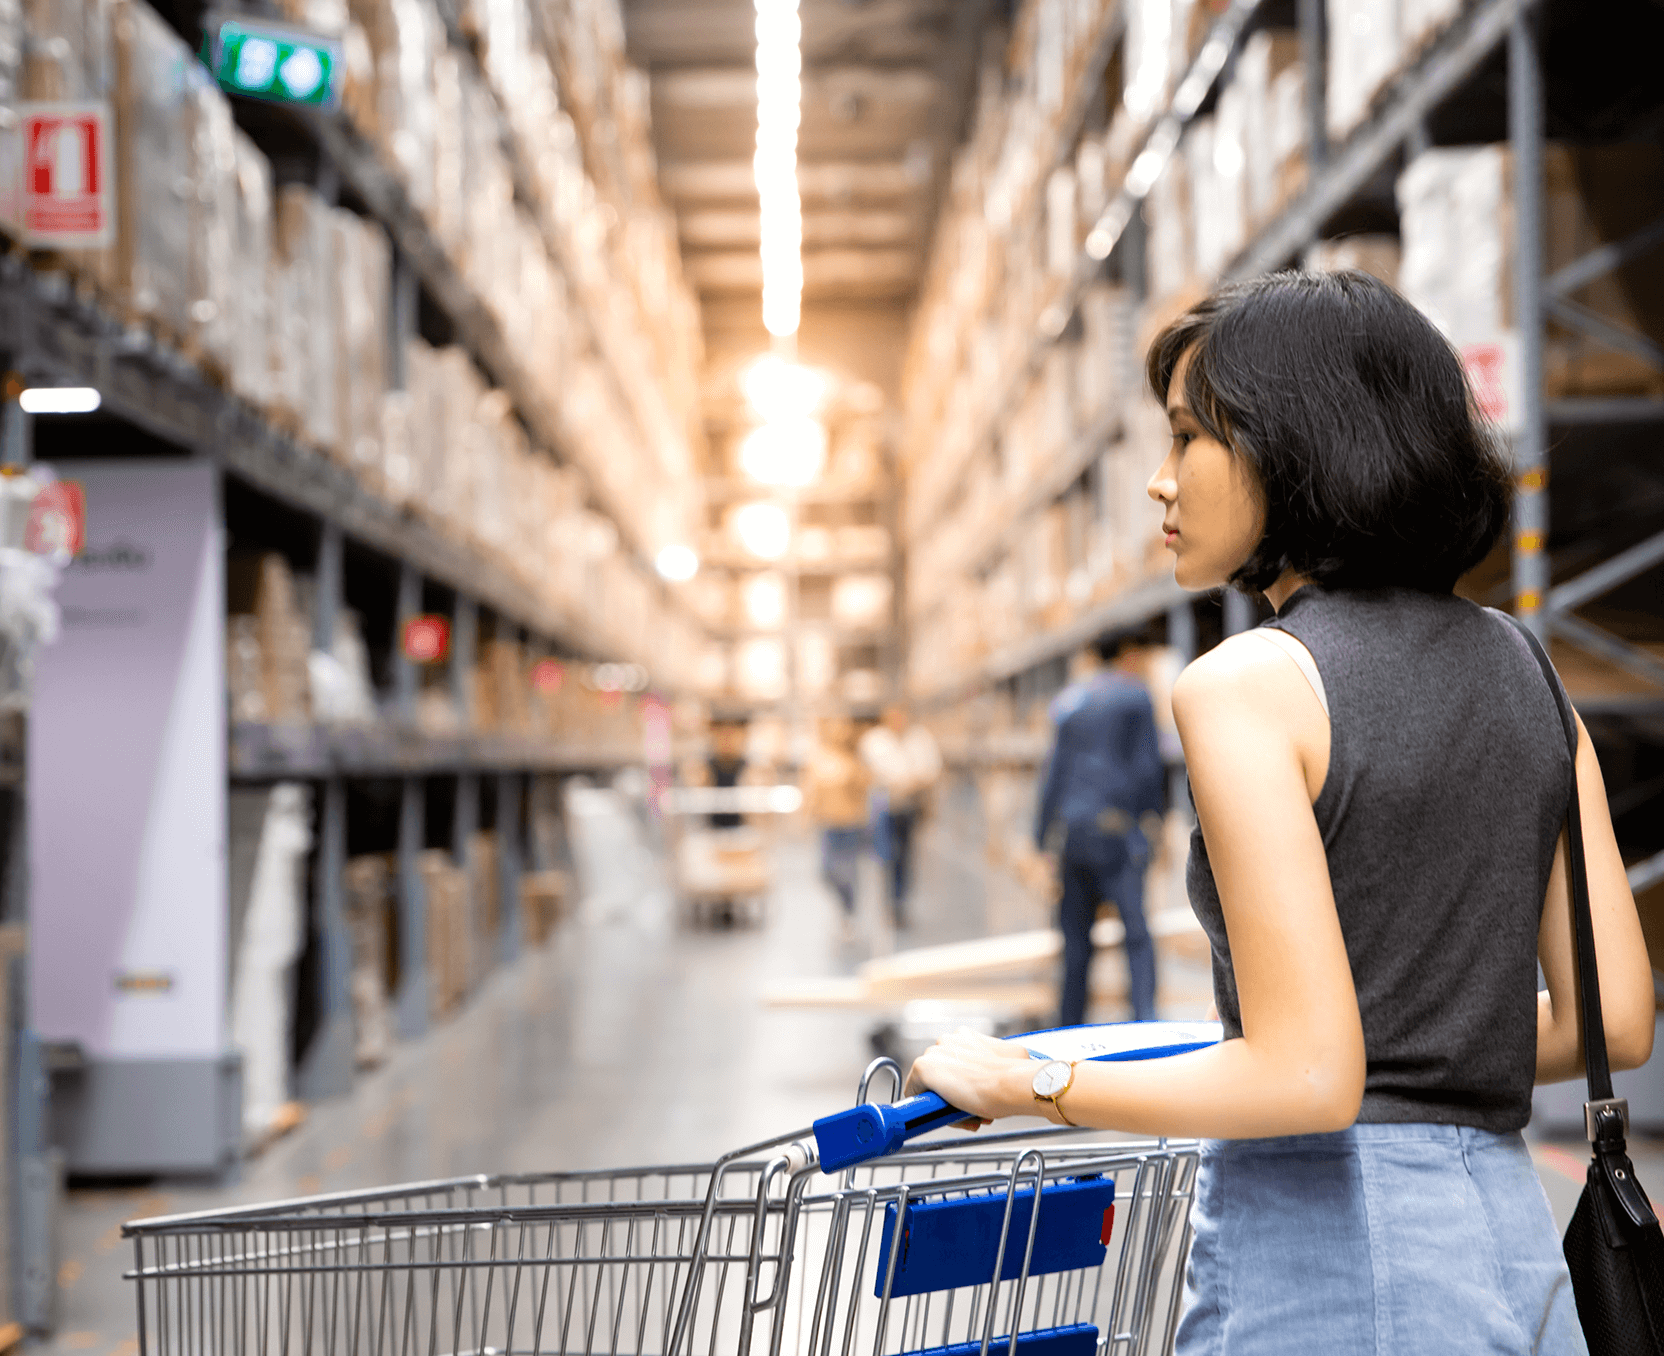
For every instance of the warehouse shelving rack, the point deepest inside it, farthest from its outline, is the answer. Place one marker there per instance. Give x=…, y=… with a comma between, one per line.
x=51, y=332
x=1338, y=176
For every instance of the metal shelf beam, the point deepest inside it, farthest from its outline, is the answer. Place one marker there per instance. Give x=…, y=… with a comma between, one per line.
x=157, y=389
x=274, y=752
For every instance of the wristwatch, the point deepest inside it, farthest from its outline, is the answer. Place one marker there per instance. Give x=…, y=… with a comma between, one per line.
x=1051, y=1080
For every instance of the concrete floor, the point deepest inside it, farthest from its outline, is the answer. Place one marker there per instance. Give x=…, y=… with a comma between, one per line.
x=630, y=1039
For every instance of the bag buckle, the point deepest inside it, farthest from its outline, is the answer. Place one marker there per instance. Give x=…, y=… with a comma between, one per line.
x=1592, y=1110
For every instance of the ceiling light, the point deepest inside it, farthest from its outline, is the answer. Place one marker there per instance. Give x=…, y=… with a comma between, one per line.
x=763, y=530
x=785, y=452
x=677, y=563
x=780, y=209
x=777, y=389
x=59, y=400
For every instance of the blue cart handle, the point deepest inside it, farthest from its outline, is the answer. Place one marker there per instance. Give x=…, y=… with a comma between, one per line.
x=869, y=1131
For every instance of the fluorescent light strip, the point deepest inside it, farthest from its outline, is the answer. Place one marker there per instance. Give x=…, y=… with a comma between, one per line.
x=779, y=112
x=59, y=400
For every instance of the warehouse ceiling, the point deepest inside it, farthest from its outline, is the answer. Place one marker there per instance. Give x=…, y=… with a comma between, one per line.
x=886, y=85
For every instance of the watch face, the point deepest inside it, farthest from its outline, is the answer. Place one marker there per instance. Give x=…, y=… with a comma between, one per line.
x=1051, y=1078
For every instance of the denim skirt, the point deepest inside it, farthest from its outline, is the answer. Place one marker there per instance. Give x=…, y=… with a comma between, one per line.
x=1382, y=1239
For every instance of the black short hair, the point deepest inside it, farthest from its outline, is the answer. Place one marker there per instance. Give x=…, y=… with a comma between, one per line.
x=1355, y=415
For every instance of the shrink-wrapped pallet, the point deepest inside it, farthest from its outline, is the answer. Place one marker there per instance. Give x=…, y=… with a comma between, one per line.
x=1456, y=222
x=1105, y=358
x=155, y=76
x=213, y=233
x=370, y=915
x=1148, y=62
x=1377, y=255
x=11, y=52
x=450, y=150
x=1213, y=160
x=248, y=298
x=450, y=943
x=1365, y=52
x=414, y=460
x=269, y=638
x=494, y=424
x=1288, y=136
x=462, y=388
x=364, y=267
x=1170, y=257
x=66, y=48
x=304, y=349
x=1265, y=57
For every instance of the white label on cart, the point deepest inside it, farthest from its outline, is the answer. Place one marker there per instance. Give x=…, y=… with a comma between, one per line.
x=1119, y=1038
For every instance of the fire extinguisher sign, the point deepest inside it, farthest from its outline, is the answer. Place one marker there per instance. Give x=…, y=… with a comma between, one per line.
x=67, y=201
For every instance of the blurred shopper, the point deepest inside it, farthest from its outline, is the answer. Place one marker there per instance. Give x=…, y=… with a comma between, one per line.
x=1381, y=781
x=835, y=797
x=1104, y=786
x=725, y=766
x=905, y=764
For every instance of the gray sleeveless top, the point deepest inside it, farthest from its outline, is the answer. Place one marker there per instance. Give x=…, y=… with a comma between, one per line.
x=1447, y=788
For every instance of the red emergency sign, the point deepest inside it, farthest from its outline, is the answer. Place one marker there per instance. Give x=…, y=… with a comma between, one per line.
x=66, y=199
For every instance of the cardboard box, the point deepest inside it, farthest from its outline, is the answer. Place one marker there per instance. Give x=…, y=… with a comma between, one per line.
x=1456, y=208
x=1267, y=144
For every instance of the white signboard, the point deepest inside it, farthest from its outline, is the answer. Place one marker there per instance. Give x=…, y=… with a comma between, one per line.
x=127, y=775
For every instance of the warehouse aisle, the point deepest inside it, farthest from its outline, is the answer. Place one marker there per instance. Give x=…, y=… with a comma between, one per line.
x=589, y=1054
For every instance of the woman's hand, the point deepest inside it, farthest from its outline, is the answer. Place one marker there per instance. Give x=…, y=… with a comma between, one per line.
x=978, y=1074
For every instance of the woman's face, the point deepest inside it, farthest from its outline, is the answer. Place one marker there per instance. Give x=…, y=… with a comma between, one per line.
x=1213, y=513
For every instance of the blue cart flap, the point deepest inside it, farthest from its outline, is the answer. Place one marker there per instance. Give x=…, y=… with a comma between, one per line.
x=1079, y=1339
x=946, y=1244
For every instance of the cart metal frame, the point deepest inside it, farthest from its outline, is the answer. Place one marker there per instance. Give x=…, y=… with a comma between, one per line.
x=757, y=1251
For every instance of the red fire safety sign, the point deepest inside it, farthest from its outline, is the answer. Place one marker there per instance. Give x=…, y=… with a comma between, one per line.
x=66, y=202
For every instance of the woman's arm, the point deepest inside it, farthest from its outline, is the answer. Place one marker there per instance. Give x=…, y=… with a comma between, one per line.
x=1253, y=733
x=1626, y=991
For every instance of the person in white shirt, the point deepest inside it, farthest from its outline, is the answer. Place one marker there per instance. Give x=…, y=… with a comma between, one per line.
x=905, y=763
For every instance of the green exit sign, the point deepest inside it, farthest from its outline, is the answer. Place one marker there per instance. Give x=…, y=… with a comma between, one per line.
x=264, y=61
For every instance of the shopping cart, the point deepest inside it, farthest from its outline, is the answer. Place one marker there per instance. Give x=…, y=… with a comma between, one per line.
x=1048, y=1243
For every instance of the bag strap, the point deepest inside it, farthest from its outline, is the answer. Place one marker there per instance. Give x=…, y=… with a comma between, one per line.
x=1596, y=1064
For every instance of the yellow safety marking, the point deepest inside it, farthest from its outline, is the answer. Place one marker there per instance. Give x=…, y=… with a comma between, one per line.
x=1530, y=543
x=1534, y=479
x=1529, y=601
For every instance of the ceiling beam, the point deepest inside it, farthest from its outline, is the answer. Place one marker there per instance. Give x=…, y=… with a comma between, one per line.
x=847, y=181
x=735, y=87
x=856, y=272
x=715, y=228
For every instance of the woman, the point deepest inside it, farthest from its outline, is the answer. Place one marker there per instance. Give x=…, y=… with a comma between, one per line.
x=1378, y=862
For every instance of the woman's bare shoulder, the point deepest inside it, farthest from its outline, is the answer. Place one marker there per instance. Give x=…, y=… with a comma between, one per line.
x=1241, y=669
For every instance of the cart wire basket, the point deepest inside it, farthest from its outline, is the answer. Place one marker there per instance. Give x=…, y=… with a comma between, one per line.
x=1047, y=1243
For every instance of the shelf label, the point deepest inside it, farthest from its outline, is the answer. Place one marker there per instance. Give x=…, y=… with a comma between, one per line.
x=1493, y=368
x=64, y=198
x=427, y=639
x=57, y=524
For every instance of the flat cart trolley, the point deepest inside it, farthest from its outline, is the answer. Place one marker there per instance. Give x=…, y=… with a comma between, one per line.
x=717, y=872
x=1049, y=1243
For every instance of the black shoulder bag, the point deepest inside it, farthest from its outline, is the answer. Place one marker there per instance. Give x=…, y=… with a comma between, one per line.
x=1613, y=1246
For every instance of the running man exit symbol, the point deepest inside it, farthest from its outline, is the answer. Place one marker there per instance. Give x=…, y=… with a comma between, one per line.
x=67, y=202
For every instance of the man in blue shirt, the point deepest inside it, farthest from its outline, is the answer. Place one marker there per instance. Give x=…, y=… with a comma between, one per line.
x=1105, y=784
